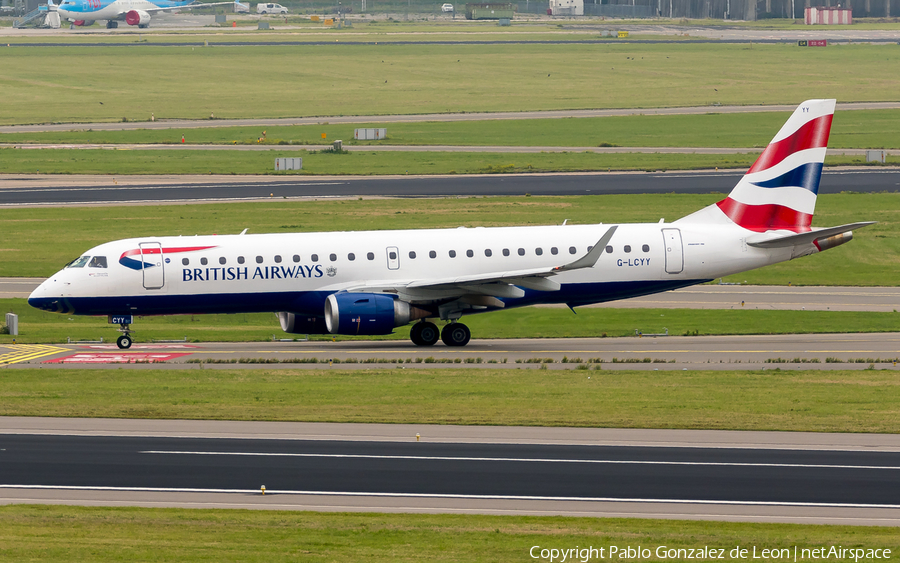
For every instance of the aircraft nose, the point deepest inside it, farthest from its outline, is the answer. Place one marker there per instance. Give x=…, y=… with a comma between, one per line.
x=47, y=297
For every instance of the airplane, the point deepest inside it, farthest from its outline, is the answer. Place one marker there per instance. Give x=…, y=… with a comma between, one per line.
x=132, y=12
x=369, y=283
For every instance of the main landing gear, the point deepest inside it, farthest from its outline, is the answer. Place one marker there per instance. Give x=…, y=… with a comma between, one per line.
x=426, y=334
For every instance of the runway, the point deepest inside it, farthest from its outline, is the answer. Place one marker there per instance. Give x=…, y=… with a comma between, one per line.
x=20, y=191
x=791, y=351
x=741, y=476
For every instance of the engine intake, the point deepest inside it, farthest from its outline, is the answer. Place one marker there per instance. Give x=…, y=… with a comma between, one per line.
x=368, y=313
x=137, y=17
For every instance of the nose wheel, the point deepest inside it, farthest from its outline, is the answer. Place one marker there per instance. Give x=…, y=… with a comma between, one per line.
x=125, y=341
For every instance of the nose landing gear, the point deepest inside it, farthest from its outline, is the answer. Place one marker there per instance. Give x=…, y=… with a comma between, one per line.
x=124, y=341
x=124, y=321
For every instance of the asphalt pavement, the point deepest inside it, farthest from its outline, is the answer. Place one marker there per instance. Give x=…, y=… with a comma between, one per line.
x=755, y=476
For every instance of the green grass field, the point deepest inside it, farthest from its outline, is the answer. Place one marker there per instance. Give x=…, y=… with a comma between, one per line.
x=131, y=535
x=31, y=249
x=794, y=400
x=126, y=162
x=113, y=83
x=851, y=129
x=357, y=163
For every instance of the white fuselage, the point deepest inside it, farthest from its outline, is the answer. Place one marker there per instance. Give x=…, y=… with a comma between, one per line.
x=296, y=272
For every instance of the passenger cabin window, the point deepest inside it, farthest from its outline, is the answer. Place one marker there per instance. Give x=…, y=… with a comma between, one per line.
x=609, y=249
x=538, y=251
x=204, y=261
x=646, y=248
x=351, y=257
x=412, y=254
x=314, y=257
x=521, y=252
x=506, y=252
x=370, y=256
x=296, y=257
x=432, y=254
x=222, y=260
x=277, y=259
x=97, y=262
x=627, y=248
x=554, y=251
x=572, y=250
x=79, y=262
x=259, y=259
x=240, y=259
x=332, y=257
x=469, y=253
x=185, y=261
x=487, y=252
x=452, y=254
x=392, y=255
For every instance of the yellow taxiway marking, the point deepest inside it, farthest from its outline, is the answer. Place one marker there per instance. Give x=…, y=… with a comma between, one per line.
x=25, y=352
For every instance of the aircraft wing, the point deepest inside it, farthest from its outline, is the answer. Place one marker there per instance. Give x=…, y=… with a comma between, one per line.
x=185, y=7
x=497, y=284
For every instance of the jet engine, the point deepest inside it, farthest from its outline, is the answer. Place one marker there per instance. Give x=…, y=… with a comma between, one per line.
x=139, y=18
x=293, y=323
x=368, y=313
x=78, y=23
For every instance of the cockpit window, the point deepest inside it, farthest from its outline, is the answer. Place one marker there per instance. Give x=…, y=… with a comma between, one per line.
x=97, y=262
x=79, y=262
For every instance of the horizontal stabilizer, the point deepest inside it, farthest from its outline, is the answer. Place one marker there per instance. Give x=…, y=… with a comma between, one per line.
x=767, y=241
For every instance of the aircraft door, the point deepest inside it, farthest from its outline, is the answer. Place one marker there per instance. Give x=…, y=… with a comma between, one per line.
x=674, y=251
x=152, y=259
x=393, y=258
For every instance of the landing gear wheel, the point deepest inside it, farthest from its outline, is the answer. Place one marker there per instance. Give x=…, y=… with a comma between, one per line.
x=424, y=334
x=456, y=334
x=124, y=342
x=112, y=24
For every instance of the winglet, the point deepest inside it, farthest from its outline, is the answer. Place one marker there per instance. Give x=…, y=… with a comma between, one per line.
x=589, y=259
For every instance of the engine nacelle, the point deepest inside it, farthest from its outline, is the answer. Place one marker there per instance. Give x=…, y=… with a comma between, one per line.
x=367, y=313
x=137, y=17
x=79, y=23
x=830, y=242
x=293, y=323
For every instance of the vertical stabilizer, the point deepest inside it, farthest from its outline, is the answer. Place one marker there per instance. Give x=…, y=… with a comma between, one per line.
x=779, y=191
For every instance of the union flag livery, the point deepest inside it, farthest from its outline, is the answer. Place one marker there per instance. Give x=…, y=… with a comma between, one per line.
x=369, y=283
x=779, y=191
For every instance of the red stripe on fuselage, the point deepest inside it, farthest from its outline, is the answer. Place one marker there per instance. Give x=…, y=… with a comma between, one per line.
x=765, y=217
x=812, y=135
x=148, y=251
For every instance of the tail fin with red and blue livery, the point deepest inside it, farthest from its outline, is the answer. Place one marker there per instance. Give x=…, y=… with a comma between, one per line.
x=779, y=191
